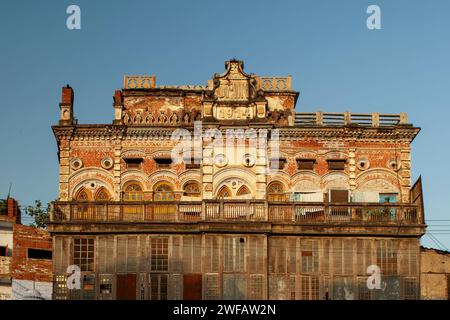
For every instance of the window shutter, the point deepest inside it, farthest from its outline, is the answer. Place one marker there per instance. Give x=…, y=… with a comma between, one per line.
x=348, y=257
x=121, y=254
x=337, y=256
x=175, y=287
x=176, y=260
x=132, y=254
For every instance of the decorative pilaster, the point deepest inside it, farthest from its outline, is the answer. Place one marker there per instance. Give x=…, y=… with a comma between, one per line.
x=64, y=170
x=405, y=173
x=352, y=168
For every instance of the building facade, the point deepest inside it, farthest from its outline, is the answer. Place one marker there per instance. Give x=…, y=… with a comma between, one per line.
x=25, y=257
x=435, y=274
x=9, y=215
x=31, y=267
x=223, y=191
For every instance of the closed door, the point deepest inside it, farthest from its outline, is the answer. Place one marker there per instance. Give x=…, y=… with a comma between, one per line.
x=126, y=287
x=192, y=287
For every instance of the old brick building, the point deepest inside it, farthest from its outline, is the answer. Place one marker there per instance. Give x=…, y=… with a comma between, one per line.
x=267, y=203
x=25, y=257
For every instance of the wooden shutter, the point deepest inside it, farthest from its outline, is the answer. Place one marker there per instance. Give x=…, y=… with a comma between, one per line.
x=61, y=254
x=256, y=254
x=348, y=256
x=211, y=254
x=339, y=196
x=105, y=254
x=337, y=256
x=121, y=254
x=176, y=256
x=175, y=287
x=326, y=256
x=192, y=286
x=126, y=287
x=132, y=250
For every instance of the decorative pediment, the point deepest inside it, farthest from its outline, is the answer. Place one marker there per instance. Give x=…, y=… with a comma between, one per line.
x=234, y=95
x=234, y=85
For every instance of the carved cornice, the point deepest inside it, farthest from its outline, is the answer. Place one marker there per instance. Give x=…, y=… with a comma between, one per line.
x=113, y=132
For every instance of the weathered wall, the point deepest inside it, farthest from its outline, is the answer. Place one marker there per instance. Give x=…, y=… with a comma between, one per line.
x=5, y=266
x=236, y=266
x=22, y=289
x=23, y=267
x=5, y=291
x=435, y=272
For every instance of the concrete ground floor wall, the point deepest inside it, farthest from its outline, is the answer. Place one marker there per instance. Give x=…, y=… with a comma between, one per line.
x=5, y=289
x=31, y=290
x=233, y=266
x=435, y=274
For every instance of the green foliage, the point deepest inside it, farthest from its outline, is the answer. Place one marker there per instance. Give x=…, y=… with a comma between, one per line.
x=39, y=213
x=3, y=206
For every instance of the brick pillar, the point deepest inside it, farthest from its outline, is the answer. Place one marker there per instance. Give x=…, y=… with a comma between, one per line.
x=117, y=171
x=13, y=209
x=64, y=170
x=66, y=106
x=352, y=168
x=405, y=173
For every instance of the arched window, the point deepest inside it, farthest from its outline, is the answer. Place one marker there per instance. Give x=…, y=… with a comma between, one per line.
x=102, y=195
x=82, y=195
x=275, y=192
x=191, y=189
x=163, y=192
x=243, y=191
x=133, y=192
x=224, y=192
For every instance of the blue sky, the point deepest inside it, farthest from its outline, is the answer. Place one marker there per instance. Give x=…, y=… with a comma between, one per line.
x=337, y=64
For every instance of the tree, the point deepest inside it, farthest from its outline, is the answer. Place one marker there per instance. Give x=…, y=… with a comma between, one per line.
x=39, y=213
x=3, y=206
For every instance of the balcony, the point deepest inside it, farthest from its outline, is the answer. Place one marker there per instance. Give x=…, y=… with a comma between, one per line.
x=238, y=210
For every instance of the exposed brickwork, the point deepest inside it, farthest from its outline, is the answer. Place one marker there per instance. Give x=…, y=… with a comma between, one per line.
x=67, y=96
x=24, y=268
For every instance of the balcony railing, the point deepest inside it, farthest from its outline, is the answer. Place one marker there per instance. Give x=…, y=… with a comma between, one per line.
x=245, y=210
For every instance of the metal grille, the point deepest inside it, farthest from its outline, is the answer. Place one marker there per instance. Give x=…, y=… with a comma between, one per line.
x=410, y=288
x=212, y=289
x=363, y=292
x=387, y=256
x=60, y=290
x=105, y=286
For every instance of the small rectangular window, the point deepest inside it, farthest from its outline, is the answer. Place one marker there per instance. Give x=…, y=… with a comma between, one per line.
x=163, y=162
x=193, y=163
x=338, y=196
x=39, y=254
x=133, y=163
x=3, y=251
x=338, y=164
x=305, y=164
x=277, y=163
x=388, y=197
